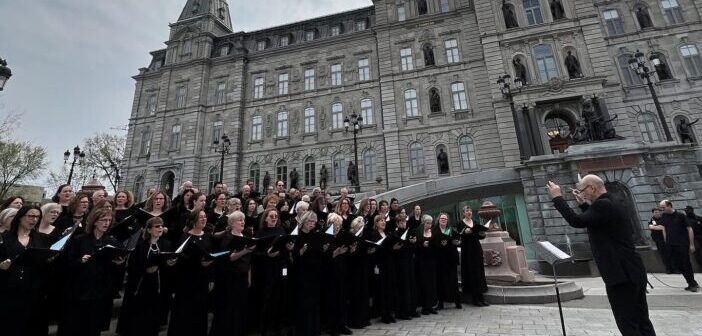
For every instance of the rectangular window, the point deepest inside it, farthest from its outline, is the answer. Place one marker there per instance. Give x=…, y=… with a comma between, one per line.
x=259, y=83
x=411, y=106
x=175, y=137
x=151, y=104
x=309, y=35
x=692, y=60
x=360, y=25
x=310, y=173
x=545, y=62
x=458, y=92
x=187, y=47
x=282, y=124
x=283, y=84
x=444, y=6
x=309, y=79
x=310, y=120
x=180, y=96
x=217, y=130
x=671, y=10
x=334, y=30
x=145, y=141
x=284, y=40
x=613, y=22
x=260, y=45
x=367, y=111
x=337, y=116
x=220, y=93
x=532, y=9
x=363, y=70
x=336, y=75
x=224, y=50
x=257, y=128
x=401, y=16
x=452, y=55
x=406, y=59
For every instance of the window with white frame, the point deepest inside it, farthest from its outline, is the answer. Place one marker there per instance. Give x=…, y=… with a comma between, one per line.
x=411, y=105
x=281, y=171
x=452, y=55
x=151, y=104
x=217, y=128
x=337, y=116
x=145, y=141
x=444, y=6
x=460, y=100
x=416, y=158
x=630, y=76
x=309, y=35
x=309, y=79
x=648, y=128
x=363, y=69
x=261, y=45
x=466, y=147
x=369, y=165
x=401, y=15
x=334, y=30
x=545, y=62
x=406, y=59
x=181, y=92
x=367, y=111
x=255, y=175
x=224, y=50
x=257, y=128
x=309, y=172
x=220, y=93
x=691, y=58
x=360, y=25
x=283, y=83
x=532, y=10
x=339, y=163
x=284, y=40
x=259, y=86
x=175, y=137
x=614, y=23
x=310, y=120
x=336, y=75
x=672, y=11
x=282, y=124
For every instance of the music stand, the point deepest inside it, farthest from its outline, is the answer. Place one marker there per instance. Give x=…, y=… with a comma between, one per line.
x=553, y=256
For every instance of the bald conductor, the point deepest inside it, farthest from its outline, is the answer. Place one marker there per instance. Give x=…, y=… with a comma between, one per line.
x=612, y=244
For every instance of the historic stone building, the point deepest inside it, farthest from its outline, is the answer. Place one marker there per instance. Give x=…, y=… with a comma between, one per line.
x=422, y=74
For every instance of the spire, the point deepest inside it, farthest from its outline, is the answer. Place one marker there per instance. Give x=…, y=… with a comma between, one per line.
x=219, y=9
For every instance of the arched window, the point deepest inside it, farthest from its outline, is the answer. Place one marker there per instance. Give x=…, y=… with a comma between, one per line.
x=460, y=99
x=613, y=21
x=369, y=165
x=309, y=172
x=339, y=164
x=138, y=188
x=282, y=124
x=691, y=58
x=367, y=111
x=281, y=171
x=411, y=106
x=545, y=62
x=212, y=177
x=660, y=63
x=648, y=128
x=672, y=11
x=532, y=10
x=467, y=149
x=434, y=100
x=416, y=158
x=428, y=51
x=255, y=174
x=422, y=7
x=630, y=77
x=337, y=116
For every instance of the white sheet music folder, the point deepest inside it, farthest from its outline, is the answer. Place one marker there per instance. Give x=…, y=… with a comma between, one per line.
x=550, y=253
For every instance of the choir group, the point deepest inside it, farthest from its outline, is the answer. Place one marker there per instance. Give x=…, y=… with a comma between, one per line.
x=279, y=264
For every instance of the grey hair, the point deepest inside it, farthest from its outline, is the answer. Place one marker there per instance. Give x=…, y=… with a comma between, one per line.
x=234, y=200
x=46, y=208
x=234, y=216
x=9, y=212
x=427, y=218
x=309, y=215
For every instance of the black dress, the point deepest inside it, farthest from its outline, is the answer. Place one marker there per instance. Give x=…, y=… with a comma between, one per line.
x=426, y=272
x=141, y=307
x=472, y=266
x=359, y=288
x=385, y=280
x=447, y=268
x=406, y=278
x=231, y=292
x=88, y=287
x=22, y=289
x=192, y=279
x=307, y=280
x=335, y=288
x=274, y=284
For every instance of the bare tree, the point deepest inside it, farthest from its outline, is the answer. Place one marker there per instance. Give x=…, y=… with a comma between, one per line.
x=81, y=176
x=104, y=153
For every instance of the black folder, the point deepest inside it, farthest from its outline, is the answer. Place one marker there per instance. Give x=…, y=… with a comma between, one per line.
x=238, y=243
x=161, y=258
x=35, y=257
x=111, y=252
x=280, y=242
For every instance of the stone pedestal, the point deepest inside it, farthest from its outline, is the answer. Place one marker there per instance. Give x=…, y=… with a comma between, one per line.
x=504, y=259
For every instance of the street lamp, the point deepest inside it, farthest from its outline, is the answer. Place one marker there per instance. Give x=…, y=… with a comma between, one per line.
x=506, y=85
x=115, y=167
x=638, y=64
x=5, y=73
x=221, y=147
x=357, y=122
x=78, y=157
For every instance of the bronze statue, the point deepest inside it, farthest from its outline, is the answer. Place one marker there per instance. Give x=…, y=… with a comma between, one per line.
x=351, y=173
x=442, y=160
x=557, y=10
x=573, y=66
x=643, y=18
x=520, y=70
x=266, y=182
x=685, y=131
x=508, y=14
x=294, y=177
x=428, y=55
x=196, y=7
x=434, y=100
x=323, y=176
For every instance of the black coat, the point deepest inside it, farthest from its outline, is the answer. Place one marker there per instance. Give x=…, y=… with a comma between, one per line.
x=472, y=264
x=611, y=239
x=447, y=266
x=406, y=276
x=231, y=292
x=426, y=271
x=307, y=284
x=385, y=280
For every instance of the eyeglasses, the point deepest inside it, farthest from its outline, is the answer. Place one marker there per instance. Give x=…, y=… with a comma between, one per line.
x=584, y=188
x=157, y=226
x=32, y=216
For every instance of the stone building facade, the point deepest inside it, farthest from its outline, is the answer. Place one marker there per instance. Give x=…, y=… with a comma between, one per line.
x=422, y=75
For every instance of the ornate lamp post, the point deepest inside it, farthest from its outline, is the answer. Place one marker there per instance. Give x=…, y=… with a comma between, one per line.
x=5, y=73
x=357, y=122
x=638, y=64
x=78, y=157
x=507, y=88
x=222, y=147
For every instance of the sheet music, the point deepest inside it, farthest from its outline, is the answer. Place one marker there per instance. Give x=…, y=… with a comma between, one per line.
x=550, y=253
x=182, y=246
x=330, y=230
x=58, y=246
x=404, y=235
x=358, y=234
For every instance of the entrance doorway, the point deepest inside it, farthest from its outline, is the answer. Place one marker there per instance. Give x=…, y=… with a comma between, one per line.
x=621, y=195
x=167, y=183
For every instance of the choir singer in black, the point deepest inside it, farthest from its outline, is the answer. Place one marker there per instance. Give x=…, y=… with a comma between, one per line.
x=612, y=246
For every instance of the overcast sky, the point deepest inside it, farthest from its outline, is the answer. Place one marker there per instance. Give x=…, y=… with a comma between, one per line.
x=72, y=60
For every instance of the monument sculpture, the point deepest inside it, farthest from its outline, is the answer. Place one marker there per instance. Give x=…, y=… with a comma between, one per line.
x=294, y=178
x=351, y=173
x=594, y=126
x=573, y=66
x=557, y=10
x=520, y=70
x=643, y=18
x=266, y=182
x=442, y=161
x=323, y=176
x=508, y=14
x=685, y=131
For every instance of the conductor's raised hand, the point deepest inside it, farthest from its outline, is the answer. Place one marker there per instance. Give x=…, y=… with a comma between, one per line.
x=553, y=189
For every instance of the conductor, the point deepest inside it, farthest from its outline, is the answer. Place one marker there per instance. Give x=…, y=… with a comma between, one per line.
x=612, y=246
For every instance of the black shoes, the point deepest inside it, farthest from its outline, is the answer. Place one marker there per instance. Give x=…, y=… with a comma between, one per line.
x=458, y=305
x=426, y=311
x=692, y=288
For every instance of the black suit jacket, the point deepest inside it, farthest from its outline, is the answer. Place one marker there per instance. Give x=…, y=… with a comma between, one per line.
x=611, y=239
